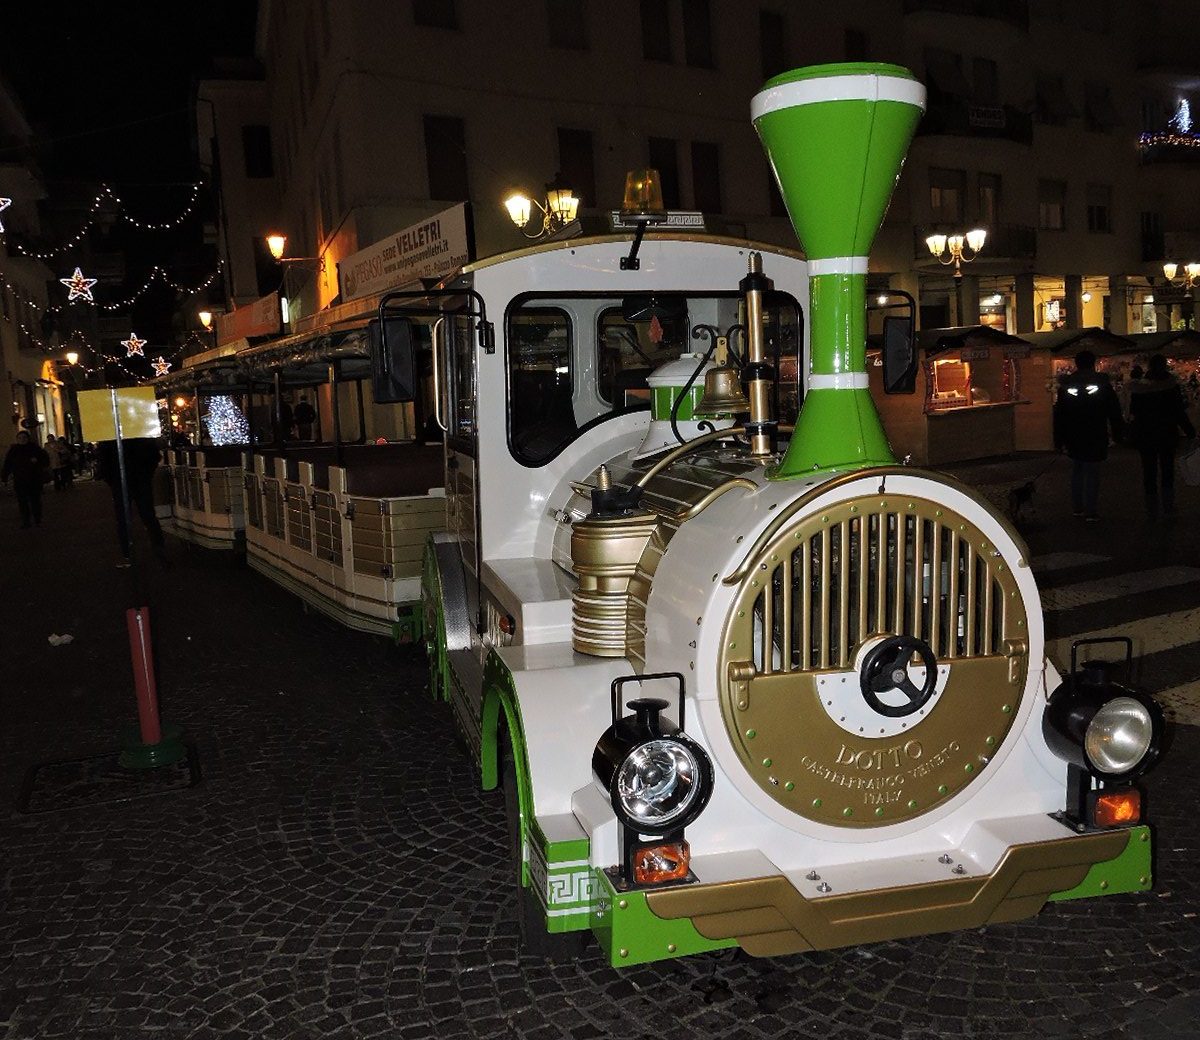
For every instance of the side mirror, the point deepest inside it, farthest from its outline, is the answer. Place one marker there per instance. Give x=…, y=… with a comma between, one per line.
x=393, y=360
x=899, y=355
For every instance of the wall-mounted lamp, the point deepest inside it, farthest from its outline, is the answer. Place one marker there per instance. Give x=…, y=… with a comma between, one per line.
x=277, y=244
x=1191, y=274
x=952, y=249
x=72, y=357
x=206, y=319
x=1087, y=297
x=557, y=211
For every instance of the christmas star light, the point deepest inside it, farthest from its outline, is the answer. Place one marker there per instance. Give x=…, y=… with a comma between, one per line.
x=4, y=204
x=161, y=365
x=133, y=345
x=79, y=287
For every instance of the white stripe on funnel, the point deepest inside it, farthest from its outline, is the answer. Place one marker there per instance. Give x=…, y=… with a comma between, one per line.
x=837, y=381
x=838, y=88
x=837, y=265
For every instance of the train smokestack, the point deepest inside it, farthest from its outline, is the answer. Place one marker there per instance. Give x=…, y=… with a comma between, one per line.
x=836, y=137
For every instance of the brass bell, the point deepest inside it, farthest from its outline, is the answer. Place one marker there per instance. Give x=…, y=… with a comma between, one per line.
x=722, y=393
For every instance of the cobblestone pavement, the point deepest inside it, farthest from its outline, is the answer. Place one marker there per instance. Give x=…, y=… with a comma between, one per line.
x=337, y=873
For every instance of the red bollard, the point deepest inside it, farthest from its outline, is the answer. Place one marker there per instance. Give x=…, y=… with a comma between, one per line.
x=138, y=620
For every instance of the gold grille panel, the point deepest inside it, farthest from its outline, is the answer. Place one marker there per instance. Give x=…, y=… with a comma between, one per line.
x=822, y=588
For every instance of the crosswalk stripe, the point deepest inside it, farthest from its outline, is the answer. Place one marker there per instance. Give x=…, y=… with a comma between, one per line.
x=1115, y=586
x=1150, y=635
x=1057, y=561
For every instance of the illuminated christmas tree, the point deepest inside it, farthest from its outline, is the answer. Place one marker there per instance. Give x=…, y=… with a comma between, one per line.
x=226, y=423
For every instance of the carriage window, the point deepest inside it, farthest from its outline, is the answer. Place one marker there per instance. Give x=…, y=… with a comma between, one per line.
x=630, y=351
x=542, y=417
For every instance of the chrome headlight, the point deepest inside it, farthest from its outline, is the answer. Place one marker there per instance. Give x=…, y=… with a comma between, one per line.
x=658, y=785
x=1118, y=736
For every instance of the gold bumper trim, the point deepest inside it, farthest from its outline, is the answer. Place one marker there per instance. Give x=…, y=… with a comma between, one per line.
x=768, y=917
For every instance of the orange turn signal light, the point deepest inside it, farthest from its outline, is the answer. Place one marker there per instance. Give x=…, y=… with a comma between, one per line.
x=661, y=863
x=1117, y=808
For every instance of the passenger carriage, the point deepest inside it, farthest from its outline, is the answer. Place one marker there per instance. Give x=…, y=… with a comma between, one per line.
x=744, y=679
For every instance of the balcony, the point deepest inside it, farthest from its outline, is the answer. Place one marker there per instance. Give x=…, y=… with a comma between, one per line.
x=1014, y=12
x=1169, y=146
x=1004, y=241
x=958, y=117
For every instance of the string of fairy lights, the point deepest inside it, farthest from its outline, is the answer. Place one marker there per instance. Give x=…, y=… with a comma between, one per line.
x=108, y=205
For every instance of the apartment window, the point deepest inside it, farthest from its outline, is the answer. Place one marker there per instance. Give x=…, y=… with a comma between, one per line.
x=706, y=176
x=656, y=30
x=945, y=73
x=856, y=45
x=697, y=34
x=772, y=43
x=1153, y=244
x=989, y=199
x=986, y=82
x=576, y=164
x=256, y=151
x=1053, y=105
x=266, y=268
x=568, y=24
x=947, y=192
x=1152, y=115
x=438, y=14
x=446, y=158
x=1099, y=113
x=664, y=158
x=1099, y=207
x=1052, y=205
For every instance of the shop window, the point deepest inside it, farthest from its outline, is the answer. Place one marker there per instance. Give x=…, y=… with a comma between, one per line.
x=664, y=157
x=437, y=14
x=656, y=30
x=540, y=388
x=446, y=158
x=576, y=164
x=1052, y=205
x=567, y=20
x=989, y=199
x=256, y=151
x=856, y=46
x=772, y=44
x=947, y=189
x=1099, y=208
x=706, y=176
x=973, y=377
x=697, y=34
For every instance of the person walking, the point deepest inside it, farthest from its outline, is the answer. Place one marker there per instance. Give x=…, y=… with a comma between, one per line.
x=305, y=415
x=1158, y=413
x=142, y=455
x=60, y=461
x=27, y=464
x=1085, y=411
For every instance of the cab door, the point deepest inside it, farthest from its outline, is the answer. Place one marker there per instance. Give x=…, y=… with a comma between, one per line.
x=457, y=344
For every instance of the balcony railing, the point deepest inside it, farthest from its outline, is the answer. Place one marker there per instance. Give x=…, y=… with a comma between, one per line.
x=1169, y=147
x=1015, y=12
x=1004, y=241
x=959, y=117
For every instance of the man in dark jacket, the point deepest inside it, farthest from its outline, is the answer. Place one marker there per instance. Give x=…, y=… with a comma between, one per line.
x=142, y=455
x=1084, y=413
x=1157, y=413
x=27, y=464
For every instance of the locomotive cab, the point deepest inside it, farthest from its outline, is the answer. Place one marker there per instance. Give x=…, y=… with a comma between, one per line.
x=751, y=682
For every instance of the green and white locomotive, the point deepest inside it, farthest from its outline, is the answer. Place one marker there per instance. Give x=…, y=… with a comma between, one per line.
x=745, y=679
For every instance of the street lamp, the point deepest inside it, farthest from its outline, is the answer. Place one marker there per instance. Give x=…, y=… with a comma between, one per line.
x=277, y=244
x=952, y=249
x=1191, y=274
x=72, y=357
x=558, y=210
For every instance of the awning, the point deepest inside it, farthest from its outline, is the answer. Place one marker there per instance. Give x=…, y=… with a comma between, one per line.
x=1066, y=342
x=1183, y=344
x=967, y=340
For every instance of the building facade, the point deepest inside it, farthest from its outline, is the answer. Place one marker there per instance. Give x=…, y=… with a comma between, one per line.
x=1061, y=129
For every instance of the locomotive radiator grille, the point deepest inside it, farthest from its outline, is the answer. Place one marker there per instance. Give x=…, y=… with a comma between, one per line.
x=887, y=571
x=801, y=696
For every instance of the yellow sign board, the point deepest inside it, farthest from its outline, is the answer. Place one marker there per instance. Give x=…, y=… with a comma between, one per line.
x=136, y=406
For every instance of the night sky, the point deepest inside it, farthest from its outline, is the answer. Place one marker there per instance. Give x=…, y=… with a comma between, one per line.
x=107, y=88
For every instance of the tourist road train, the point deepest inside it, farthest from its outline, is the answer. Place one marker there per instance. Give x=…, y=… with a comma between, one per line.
x=744, y=679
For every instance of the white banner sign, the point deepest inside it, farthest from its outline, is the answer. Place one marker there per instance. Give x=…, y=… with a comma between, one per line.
x=430, y=249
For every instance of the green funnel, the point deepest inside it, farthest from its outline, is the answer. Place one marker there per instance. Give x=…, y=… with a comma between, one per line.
x=836, y=136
